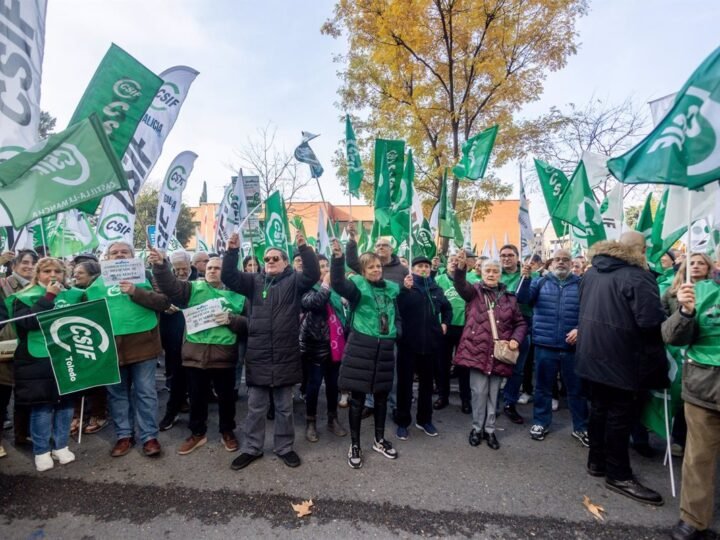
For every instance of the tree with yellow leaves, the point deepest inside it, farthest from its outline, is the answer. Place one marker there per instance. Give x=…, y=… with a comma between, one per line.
x=436, y=72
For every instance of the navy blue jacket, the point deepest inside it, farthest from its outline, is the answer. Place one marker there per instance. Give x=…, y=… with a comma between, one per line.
x=556, y=308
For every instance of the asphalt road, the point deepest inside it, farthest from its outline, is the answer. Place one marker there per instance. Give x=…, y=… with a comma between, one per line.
x=439, y=487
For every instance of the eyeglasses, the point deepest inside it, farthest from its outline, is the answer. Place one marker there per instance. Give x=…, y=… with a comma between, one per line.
x=562, y=259
x=377, y=246
x=271, y=258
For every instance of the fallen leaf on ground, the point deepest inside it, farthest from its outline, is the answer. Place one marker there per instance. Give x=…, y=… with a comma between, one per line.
x=303, y=509
x=596, y=510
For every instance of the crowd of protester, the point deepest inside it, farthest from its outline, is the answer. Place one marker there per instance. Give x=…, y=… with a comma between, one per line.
x=367, y=327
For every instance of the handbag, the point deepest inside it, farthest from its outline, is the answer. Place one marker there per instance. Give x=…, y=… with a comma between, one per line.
x=501, y=350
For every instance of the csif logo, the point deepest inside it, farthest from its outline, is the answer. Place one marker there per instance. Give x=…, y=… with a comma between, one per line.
x=114, y=227
x=275, y=230
x=127, y=89
x=176, y=178
x=80, y=336
x=167, y=97
x=67, y=165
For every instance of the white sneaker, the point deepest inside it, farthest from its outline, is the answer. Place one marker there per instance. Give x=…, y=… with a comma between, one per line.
x=44, y=462
x=3, y=453
x=524, y=399
x=555, y=404
x=64, y=456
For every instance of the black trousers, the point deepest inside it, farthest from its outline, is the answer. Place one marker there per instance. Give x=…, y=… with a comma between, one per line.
x=317, y=371
x=613, y=412
x=5, y=393
x=357, y=402
x=444, y=363
x=410, y=362
x=223, y=380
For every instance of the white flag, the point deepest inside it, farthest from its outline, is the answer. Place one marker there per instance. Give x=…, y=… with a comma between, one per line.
x=612, y=216
x=702, y=204
x=240, y=201
x=226, y=219
x=485, y=250
x=322, y=236
x=660, y=107
x=117, y=215
x=700, y=237
x=494, y=253
x=527, y=236
x=595, y=168
x=22, y=43
x=170, y=200
x=417, y=213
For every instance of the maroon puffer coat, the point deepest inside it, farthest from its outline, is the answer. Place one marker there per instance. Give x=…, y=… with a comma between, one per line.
x=476, y=344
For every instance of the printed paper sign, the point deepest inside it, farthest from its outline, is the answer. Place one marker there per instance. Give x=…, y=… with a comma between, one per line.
x=132, y=270
x=202, y=316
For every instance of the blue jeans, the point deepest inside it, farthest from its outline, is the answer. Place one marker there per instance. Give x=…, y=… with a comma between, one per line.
x=48, y=421
x=547, y=364
x=135, y=396
x=512, y=388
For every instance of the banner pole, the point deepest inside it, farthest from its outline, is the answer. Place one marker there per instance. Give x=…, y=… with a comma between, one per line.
x=689, y=239
x=668, y=453
x=322, y=197
x=82, y=410
x=45, y=246
x=410, y=235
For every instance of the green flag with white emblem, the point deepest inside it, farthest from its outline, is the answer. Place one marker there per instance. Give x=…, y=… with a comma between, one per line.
x=476, y=155
x=645, y=220
x=684, y=147
x=402, y=203
x=578, y=207
x=553, y=182
x=71, y=169
x=383, y=201
x=445, y=211
x=277, y=229
x=354, y=165
x=120, y=92
x=81, y=346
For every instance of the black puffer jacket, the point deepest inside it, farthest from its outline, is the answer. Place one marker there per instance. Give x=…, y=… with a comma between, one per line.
x=273, y=351
x=314, y=329
x=34, y=379
x=392, y=271
x=619, y=334
x=423, y=308
x=368, y=363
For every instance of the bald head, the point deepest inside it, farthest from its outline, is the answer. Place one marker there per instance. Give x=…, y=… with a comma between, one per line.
x=634, y=240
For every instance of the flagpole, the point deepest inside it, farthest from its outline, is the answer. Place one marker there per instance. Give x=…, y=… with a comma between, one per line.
x=322, y=197
x=350, y=201
x=410, y=235
x=668, y=453
x=689, y=240
x=45, y=246
x=82, y=409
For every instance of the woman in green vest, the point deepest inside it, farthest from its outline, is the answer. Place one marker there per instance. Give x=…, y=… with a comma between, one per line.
x=50, y=414
x=368, y=362
x=696, y=325
x=208, y=356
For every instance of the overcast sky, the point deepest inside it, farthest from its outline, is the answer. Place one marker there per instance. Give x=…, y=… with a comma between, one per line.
x=266, y=62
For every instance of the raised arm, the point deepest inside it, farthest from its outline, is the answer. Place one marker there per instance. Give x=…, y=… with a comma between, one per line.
x=311, y=267
x=240, y=282
x=351, y=256
x=177, y=291
x=341, y=284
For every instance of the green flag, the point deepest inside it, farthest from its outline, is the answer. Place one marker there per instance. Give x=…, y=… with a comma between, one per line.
x=297, y=222
x=354, y=165
x=69, y=233
x=445, y=211
x=81, y=346
x=383, y=202
x=402, y=203
x=684, y=147
x=424, y=242
x=476, y=155
x=653, y=415
x=71, y=169
x=276, y=226
x=577, y=206
x=389, y=158
x=120, y=92
x=645, y=220
x=457, y=231
x=553, y=182
x=659, y=244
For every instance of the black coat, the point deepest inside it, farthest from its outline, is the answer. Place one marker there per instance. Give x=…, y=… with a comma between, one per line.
x=422, y=312
x=619, y=333
x=34, y=380
x=368, y=363
x=273, y=351
x=314, y=329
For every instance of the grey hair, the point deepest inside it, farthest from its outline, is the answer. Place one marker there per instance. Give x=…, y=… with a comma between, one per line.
x=111, y=244
x=179, y=256
x=490, y=262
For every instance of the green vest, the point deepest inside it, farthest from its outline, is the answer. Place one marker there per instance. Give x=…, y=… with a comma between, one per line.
x=127, y=317
x=337, y=304
x=374, y=303
x=706, y=348
x=233, y=302
x=35, y=339
x=665, y=280
x=512, y=282
x=456, y=302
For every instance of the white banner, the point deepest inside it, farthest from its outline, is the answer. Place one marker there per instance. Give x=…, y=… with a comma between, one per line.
x=117, y=216
x=170, y=199
x=701, y=203
x=226, y=221
x=660, y=107
x=595, y=167
x=22, y=43
x=117, y=270
x=251, y=229
x=202, y=316
x=527, y=236
x=613, y=216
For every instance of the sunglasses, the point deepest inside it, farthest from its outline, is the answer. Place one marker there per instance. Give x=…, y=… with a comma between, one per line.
x=271, y=258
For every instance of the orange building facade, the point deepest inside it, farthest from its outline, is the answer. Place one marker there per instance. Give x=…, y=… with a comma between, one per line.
x=500, y=224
